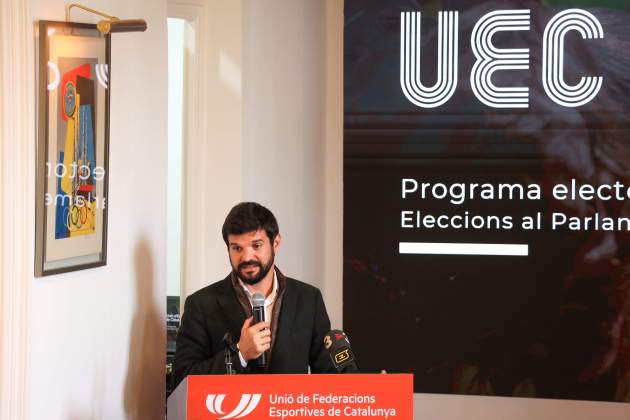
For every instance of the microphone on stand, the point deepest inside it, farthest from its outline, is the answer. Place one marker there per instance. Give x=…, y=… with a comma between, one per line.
x=228, y=342
x=258, y=310
x=338, y=346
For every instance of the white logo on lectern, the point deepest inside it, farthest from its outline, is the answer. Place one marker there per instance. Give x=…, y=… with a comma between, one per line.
x=246, y=405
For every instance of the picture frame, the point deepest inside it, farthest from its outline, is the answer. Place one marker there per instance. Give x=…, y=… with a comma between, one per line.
x=72, y=161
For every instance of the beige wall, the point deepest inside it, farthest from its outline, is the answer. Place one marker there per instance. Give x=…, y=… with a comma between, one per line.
x=292, y=128
x=460, y=407
x=17, y=210
x=213, y=175
x=283, y=161
x=273, y=135
x=97, y=336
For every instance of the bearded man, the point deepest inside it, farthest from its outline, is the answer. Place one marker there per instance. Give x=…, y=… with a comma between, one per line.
x=292, y=337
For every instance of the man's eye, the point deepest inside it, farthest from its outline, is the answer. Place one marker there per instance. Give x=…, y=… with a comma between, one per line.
x=257, y=246
x=236, y=248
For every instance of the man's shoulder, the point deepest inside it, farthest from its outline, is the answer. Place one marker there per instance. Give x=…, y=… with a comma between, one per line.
x=301, y=287
x=215, y=289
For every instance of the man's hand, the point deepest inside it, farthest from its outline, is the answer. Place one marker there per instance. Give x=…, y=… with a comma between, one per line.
x=255, y=339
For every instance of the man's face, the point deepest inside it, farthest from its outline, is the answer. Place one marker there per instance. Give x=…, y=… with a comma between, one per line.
x=252, y=255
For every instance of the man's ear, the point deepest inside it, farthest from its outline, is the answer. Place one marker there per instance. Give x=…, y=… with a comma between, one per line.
x=276, y=242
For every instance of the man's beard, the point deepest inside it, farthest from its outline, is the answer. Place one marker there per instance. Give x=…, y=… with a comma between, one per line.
x=262, y=270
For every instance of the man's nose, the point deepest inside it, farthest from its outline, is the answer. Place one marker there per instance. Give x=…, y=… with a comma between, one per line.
x=248, y=254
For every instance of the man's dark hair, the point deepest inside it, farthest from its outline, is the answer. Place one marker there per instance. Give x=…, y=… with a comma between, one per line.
x=249, y=217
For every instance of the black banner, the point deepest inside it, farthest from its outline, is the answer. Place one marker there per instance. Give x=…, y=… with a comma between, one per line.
x=487, y=195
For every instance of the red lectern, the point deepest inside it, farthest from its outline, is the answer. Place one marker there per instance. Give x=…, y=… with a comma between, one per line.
x=356, y=396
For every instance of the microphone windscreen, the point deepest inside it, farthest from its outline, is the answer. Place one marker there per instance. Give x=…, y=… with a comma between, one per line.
x=338, y=346
x=258, y=300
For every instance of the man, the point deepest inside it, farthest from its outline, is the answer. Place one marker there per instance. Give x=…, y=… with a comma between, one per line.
x=296, y=319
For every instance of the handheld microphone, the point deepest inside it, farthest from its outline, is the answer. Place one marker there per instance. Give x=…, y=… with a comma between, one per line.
x=338, y=346
x=258, y=310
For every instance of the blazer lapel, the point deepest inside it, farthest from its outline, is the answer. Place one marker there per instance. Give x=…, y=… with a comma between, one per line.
x=232, y=310
x=285, y=321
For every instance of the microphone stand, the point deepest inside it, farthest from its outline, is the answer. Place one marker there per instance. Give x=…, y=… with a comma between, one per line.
x=227, y=341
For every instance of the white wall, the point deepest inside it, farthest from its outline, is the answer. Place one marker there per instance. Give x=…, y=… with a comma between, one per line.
x=464, y=407
x=333, y=160
x=176, y=47
x=282, y=156
x=17, y=211
x=272, y=133
x=97, y=337
x=292, y=133
x=213, y=126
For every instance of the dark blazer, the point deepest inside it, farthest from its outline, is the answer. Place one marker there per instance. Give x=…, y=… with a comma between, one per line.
x=214, y=310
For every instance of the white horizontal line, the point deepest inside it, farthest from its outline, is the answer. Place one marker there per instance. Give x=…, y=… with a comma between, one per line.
x=437, y=248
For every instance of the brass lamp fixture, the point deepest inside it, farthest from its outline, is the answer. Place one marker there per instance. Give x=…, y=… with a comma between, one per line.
x=111, y=24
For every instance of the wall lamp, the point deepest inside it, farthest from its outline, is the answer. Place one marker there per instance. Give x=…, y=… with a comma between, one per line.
x=111, y=24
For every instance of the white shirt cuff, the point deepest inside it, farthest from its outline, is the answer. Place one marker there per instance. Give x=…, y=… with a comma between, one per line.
x=243, y=361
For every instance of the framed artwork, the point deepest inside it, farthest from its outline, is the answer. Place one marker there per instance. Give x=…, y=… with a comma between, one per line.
x=72, y=148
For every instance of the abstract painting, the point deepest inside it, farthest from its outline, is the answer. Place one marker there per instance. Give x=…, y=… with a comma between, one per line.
x=72, y=153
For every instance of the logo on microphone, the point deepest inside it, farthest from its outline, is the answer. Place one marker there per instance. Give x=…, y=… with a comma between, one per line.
x=342, y=356
x=246, y=405
x=327, y=342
